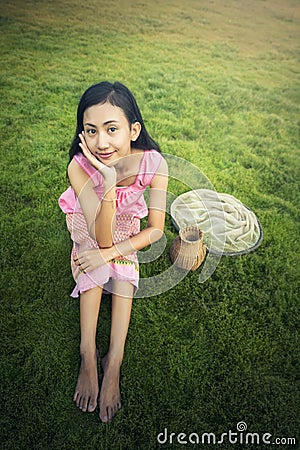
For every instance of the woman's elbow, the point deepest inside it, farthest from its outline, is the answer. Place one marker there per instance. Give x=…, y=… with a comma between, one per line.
x=104, y=241
x=156, y=234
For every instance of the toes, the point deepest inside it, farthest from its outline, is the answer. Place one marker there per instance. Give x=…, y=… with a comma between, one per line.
x=92, y=406
x=83, y=404
x=104, y=419
x=104, y=415
x=80, y=401
x=77, y=399
x=109, y=413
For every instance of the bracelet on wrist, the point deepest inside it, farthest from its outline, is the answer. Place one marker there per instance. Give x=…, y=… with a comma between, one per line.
x=112, y=200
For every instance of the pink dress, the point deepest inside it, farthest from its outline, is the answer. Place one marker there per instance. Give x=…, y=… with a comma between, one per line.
x=130, y=208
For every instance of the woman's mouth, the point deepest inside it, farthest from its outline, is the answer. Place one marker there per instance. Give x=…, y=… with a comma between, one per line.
x=105, y=155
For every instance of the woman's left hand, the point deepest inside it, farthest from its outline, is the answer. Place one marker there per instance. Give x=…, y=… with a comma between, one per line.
x=91, y=259
x=108, y=172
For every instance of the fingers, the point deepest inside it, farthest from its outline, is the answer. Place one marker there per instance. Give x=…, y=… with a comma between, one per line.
x=81, y=264
x=80, y=258
x=83, y=261
x=83, y=144
x=89, y=259
x=86, y=151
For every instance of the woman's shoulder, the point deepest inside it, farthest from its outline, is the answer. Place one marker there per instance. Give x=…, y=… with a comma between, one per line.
x=76, y=170
x=80, y=171
x=152, y=157
x=80, y=165
x=79, y=160
x=155, y=161
x=152, y=163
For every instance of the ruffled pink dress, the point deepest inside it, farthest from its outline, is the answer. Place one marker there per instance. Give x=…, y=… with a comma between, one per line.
x=130, y=208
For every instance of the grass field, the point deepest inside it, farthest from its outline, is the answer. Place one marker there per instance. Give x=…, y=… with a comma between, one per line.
x=218, y=85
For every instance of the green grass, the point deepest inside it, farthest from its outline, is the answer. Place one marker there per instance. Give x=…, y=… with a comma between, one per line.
x=218, y=85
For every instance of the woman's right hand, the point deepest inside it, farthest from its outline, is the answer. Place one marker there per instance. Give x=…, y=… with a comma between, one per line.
x=109, y=173
x=90, y=259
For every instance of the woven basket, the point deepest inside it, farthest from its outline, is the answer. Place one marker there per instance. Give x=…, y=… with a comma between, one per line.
x=188, y=249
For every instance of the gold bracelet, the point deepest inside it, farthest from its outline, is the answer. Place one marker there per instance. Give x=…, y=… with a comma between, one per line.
x=109, y=199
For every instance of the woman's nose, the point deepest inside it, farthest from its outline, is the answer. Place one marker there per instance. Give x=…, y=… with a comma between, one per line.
x=102, y=141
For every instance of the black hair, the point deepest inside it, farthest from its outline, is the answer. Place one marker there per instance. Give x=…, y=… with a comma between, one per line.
x=117, y=95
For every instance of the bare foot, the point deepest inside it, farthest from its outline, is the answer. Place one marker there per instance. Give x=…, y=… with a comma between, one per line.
x=110, y=398
x=87, y=388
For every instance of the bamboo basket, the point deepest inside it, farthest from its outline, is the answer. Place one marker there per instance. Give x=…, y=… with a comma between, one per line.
x=188, y=249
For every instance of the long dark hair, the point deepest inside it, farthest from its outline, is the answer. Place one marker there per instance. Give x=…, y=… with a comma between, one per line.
x=117, y=95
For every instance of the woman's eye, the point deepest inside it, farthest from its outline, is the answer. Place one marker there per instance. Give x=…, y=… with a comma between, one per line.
x=112, y=129
x=91, y=131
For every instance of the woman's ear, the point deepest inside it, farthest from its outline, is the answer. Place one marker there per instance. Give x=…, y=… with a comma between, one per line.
x=135, y=130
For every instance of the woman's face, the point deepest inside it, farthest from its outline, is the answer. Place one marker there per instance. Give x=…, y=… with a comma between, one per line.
x=107, y=132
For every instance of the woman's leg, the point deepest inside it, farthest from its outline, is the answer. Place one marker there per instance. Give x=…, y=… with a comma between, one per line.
x=87, y=388
x=110, y=399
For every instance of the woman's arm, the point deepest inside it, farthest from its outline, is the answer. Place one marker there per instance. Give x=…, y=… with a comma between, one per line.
x=99, y=215
x=156, y=216
x=91, y=259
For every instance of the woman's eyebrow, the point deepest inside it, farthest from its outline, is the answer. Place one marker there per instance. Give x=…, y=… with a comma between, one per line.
x=110, y=121
x=105, y=123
